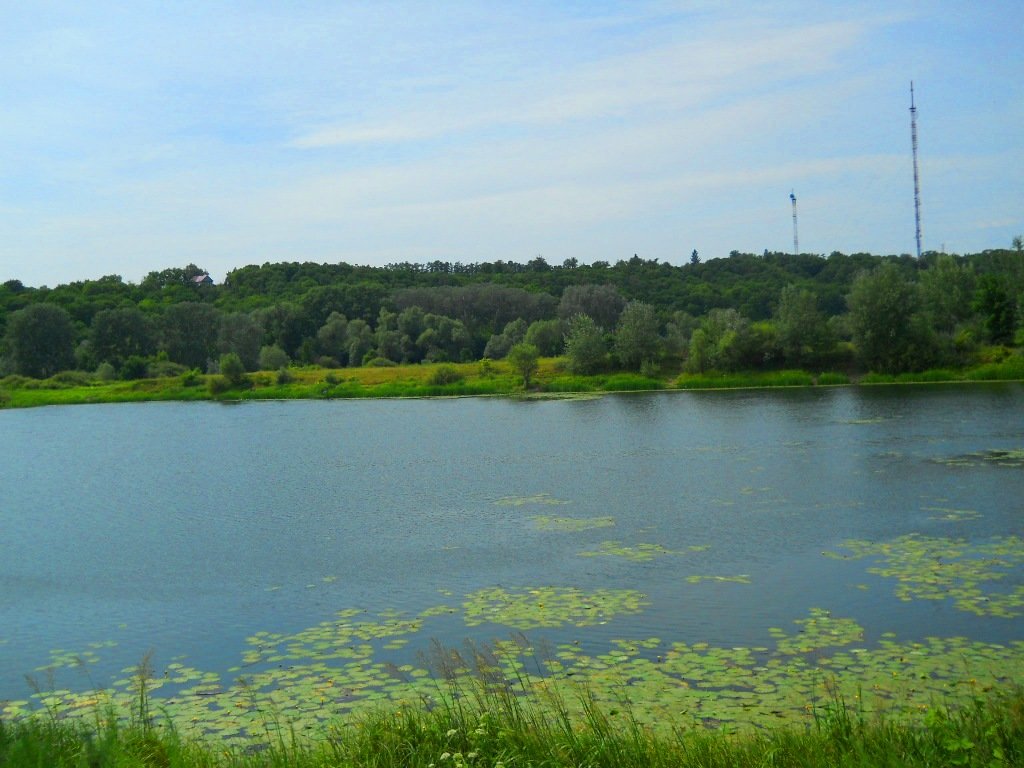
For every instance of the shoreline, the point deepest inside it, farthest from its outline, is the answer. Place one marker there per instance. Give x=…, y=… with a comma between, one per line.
x=365, y=384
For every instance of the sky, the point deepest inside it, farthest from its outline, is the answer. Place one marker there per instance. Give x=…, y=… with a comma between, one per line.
x=145, y=135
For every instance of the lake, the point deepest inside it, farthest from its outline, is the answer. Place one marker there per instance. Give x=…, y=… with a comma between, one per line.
x=713, y=542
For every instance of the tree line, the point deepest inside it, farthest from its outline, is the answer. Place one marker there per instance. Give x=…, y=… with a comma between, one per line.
x=773, y=310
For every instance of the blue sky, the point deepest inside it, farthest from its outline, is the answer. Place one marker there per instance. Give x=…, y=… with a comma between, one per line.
x=144, y=135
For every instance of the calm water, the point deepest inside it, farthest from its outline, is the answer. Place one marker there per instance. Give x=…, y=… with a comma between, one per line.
x=184, y=528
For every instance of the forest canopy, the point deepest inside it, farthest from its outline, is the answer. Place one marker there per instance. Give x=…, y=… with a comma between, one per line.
x=747, y=311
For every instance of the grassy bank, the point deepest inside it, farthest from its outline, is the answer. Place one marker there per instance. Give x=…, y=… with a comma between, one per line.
x=487, y=725
x=444, y=380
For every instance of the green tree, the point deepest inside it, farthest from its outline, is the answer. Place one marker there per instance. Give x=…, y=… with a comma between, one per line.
x=273, y=358
x=190, y=331
x=117, y=334
x=601, y=303
x=332, y=338
x=803, y=331
x=887, y=331
x=947, y=290
x=242, y=334
x=546, y=336
x=997, y=308
x=524, y=359
x=40, y=340
x=636, y=336
x=584, y=345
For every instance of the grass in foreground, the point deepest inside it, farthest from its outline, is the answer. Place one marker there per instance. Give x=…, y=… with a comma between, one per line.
x=490, y=726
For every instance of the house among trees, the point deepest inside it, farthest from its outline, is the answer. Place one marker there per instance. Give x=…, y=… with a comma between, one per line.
x=202, y=280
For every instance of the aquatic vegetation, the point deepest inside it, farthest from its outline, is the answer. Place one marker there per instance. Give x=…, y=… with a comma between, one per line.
x=820, y=630
x=538, y=498
x=549, y=606
x=297, y=683
x=952, y=515
x=571, y=524
x=740, y=579
x=60, y=657
x=998, y=457
x=638, y=553
x=934, y=568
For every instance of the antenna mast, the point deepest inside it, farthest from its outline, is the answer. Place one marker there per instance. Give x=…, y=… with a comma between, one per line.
x=917, y=183
x=796, y=241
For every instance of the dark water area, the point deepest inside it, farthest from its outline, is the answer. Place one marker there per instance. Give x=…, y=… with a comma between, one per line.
x=184, y=528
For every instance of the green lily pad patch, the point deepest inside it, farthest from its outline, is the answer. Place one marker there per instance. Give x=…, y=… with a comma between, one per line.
x=938, y=568
x=998, y=457
x=739, y=579
x=538, y=498
x=638, y=553
x=549, y=606
x=571, y=524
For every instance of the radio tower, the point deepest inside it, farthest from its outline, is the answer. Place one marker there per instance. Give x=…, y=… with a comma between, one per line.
x=796, y=241
x=917, y=183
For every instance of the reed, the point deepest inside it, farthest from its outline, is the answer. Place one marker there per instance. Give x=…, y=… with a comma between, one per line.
x=480, y=718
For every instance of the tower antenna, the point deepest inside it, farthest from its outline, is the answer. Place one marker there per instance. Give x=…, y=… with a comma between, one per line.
x=796, y=240
x=917, y=183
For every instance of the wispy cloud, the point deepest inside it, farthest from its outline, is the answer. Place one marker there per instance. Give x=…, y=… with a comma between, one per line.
x=134, y=138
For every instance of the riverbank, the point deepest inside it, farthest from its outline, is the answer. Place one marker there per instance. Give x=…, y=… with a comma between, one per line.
x=490, y=726
x=446, y=380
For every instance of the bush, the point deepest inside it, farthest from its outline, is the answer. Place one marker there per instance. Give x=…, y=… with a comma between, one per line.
x=380, y=362
x=445, y=374
x=16, y=381
x=5, y=398
x=70, y=379
x=273, y=358
x=231, y=368
x=105, y=372
x=218, y=385
x=135, y=367
x=284, y=376
x=191, y=378
x=164, y=369
x=486, y=368
x=326, y=361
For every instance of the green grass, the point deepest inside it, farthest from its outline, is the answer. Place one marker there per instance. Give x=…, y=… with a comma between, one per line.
x=442, y=380
x=751, y=379
x=486, y=723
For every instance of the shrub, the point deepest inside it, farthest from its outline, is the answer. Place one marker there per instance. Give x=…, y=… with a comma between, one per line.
x=325, y=361
x=273, y=358
x=486, y=368
x=649, y=369
x=5, y=398
x=191, y=378
x=284, y=376
x=164, y=369
x=380, y=362
x=105, y=372
x=134, y=367
x=218, y=385
x=445, y=374
x=70, y=379
x=331, y=378
x=231, y=368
